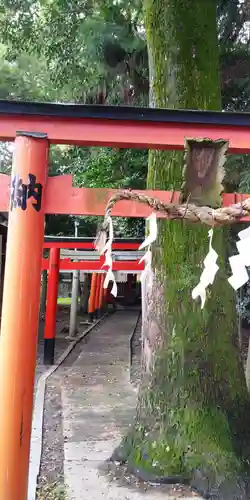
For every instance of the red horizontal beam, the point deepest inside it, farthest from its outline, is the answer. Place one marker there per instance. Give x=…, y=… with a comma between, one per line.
x=122, y=134
x=96, y=265
x=88, y=245
x=62, y=198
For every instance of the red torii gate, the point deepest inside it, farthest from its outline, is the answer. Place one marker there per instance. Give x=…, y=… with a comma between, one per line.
x=30, y=194
x=54, y=264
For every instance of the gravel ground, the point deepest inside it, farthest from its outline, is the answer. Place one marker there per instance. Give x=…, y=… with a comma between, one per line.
x=61, y=341
x=51, y=472
x=51, y=478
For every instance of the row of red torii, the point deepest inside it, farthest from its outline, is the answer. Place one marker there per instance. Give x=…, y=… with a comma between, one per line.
x=54, y=264
x=30, y=194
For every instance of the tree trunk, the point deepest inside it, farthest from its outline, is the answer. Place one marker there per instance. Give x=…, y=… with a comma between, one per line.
x=193, y=410
x=247, y=371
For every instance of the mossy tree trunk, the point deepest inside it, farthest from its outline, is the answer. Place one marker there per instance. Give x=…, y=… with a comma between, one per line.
x=193, y=409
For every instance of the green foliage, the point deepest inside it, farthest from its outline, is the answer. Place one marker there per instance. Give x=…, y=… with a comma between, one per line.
x=107, y=167
x=232, y=16
x=95, y=50
x=103, y=167
x=27, y=77
x=88, y=43
x=85, y=51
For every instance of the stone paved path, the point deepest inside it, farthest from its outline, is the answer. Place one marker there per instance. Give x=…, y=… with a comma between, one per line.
x=98, y=404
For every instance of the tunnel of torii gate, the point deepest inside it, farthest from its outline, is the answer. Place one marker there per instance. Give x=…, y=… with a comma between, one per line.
x=30, y=194
x=126, y=260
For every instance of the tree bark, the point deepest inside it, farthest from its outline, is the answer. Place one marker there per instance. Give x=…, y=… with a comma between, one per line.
x=247, y=371
x=193, y=409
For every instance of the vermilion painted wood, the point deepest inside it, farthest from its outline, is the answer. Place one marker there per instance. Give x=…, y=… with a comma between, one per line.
x=239, y=198
x=96, y=265
x=228, y=199
x=89, y=245
x=91, y=302
x=62, y=198
x=97, y=291
x=20, y=314
x=122, y=134
x=53, y=279
x=4, y=192
x=100, y=301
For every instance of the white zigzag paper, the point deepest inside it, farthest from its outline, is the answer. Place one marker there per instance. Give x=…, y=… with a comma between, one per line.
x=239, y=262
x=107, y=251
x=147, y=257
x=152, y=232
x=208, y=273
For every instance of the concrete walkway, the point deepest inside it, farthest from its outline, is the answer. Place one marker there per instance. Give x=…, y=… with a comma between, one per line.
x=98, y=405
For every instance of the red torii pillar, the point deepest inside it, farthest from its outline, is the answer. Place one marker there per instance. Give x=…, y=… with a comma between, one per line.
x=97, y=295
x=91, y=303
x=101, y=295
x=51, y=308
x=20, y=311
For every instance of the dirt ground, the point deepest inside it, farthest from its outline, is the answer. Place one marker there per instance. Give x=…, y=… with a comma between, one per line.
x=51, y=484
x=51, y=479
x=51, y=472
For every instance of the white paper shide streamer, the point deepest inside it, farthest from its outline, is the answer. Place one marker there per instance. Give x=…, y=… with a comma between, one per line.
x=239, y=262
x=208, y=274
x=107, y=251
x=152, y=235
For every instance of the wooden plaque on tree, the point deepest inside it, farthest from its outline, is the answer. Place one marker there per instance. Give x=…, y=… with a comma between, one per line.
x=203, y=171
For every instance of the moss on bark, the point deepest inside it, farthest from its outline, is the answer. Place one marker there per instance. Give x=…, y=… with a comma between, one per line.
x=194, y=406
